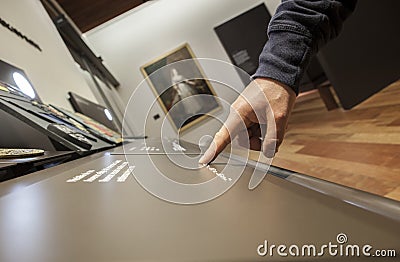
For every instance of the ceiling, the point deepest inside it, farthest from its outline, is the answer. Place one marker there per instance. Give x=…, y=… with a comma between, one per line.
x=88, y=14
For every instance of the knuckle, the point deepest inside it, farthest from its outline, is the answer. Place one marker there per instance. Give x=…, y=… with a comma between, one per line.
x=218, y=135
x=279, y=116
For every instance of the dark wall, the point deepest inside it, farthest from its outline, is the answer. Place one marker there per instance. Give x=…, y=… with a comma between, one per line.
x=365, y=58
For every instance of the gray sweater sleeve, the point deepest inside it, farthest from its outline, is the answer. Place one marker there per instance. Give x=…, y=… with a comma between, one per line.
x=295, y=34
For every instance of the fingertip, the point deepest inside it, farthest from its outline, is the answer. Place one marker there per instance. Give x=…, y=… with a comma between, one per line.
x=269, y=153
x=208, y=154
x=221, y=140
x=270, y=148
x=203, y=161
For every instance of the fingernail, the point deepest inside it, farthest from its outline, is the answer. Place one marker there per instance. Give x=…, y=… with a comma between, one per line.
x=208, y=155
x=205, y=158
x=270, y=148
x=202, y=160
x=269, y=153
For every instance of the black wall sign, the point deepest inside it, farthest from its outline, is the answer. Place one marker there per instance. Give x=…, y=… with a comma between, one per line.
x=244, y=37
x=21, y=35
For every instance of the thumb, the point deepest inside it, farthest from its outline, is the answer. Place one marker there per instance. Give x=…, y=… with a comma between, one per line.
x=270, y=143
x=269, y=147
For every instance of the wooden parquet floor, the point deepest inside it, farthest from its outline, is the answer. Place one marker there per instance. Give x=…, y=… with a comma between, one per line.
x=359, y=148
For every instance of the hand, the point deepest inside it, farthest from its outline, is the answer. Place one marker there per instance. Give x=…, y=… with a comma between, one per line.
x=250, y=112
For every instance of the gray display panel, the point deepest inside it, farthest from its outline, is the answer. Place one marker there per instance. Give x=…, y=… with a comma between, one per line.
x=65, y=218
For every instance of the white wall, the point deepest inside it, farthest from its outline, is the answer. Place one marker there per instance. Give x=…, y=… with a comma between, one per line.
x=140, y=35
x=53, y=71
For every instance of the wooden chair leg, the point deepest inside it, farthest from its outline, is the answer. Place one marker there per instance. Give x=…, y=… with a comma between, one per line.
x=327, y=97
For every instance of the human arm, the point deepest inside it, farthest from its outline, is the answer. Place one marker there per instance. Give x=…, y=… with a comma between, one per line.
x=296, y=32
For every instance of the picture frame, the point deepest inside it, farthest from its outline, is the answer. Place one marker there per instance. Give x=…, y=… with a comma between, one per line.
x=192, y=81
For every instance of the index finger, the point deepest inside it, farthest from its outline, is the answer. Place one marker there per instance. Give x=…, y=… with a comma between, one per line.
x=224, y=136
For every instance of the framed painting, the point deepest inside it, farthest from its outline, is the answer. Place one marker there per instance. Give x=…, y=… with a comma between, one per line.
x=181, y=88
